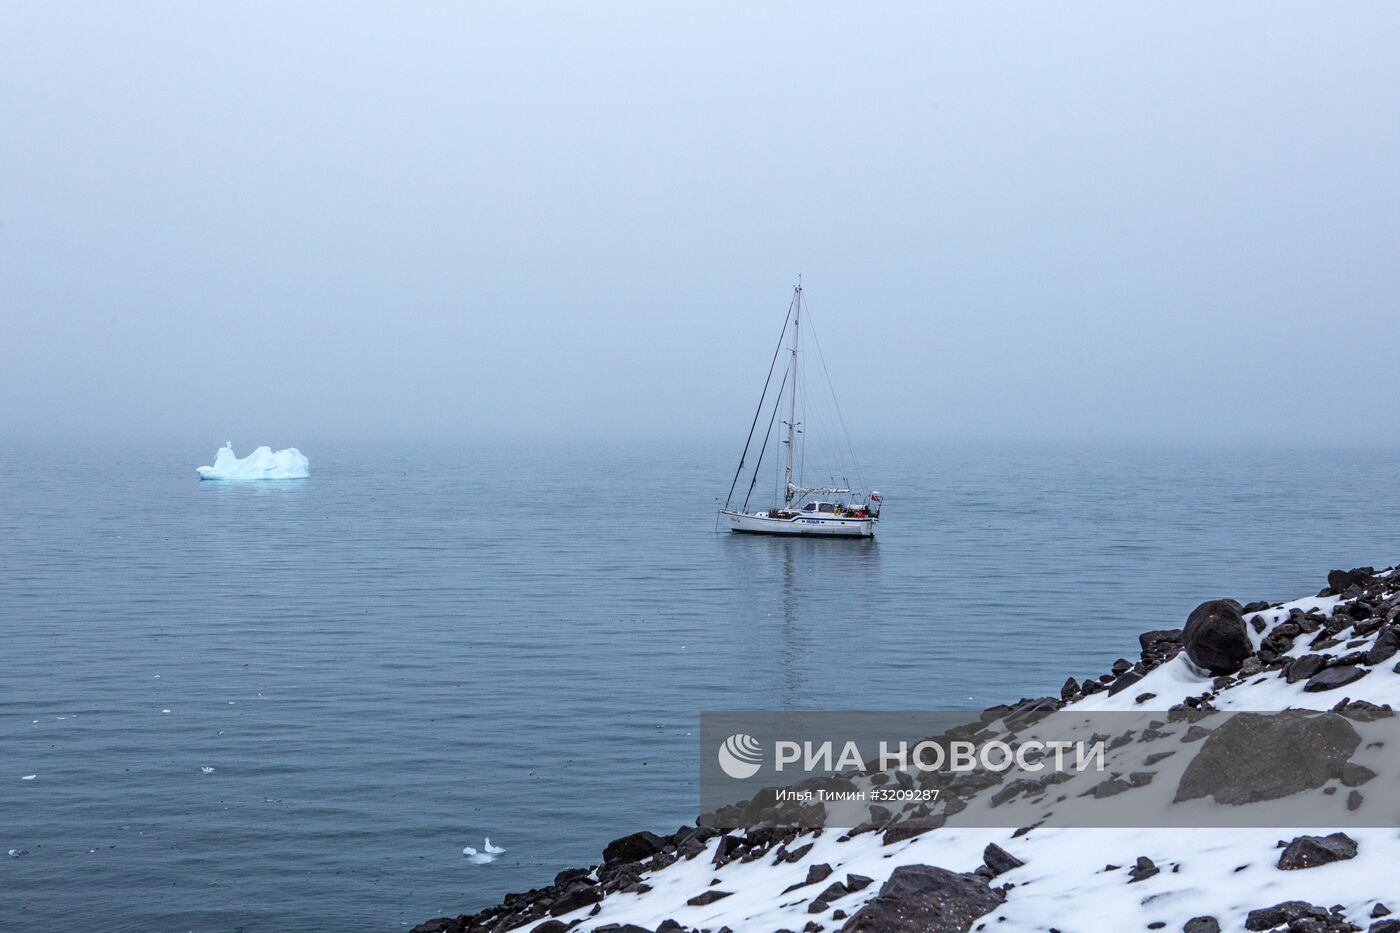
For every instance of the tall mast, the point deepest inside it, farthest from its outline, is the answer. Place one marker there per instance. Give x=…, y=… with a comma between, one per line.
x=792, y=399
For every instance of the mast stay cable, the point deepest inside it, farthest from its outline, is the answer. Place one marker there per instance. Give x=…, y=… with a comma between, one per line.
x=757, y=411
x=759, y=465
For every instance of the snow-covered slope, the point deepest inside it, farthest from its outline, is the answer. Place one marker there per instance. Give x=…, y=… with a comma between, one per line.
x=1042, y=878
x=263, y=463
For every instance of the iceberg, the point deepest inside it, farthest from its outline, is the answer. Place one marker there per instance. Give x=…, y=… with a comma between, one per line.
x=263, y=463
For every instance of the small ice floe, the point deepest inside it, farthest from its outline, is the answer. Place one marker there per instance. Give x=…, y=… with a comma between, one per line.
x=263, y=463
x=16, y=853
x=28, y=777
x=164, y=712
x=482, y=858
x=206, y=769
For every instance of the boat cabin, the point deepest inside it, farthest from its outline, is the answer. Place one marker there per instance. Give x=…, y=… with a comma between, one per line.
x=839, y=509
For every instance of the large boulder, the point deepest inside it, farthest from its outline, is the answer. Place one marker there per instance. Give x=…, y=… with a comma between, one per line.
x=1267, y=756
x=1216, y=637
x=925, y=899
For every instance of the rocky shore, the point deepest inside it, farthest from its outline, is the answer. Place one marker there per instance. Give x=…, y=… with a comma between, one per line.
x=917, y=870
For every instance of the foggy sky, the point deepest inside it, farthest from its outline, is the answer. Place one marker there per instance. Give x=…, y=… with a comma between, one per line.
x=281, y=223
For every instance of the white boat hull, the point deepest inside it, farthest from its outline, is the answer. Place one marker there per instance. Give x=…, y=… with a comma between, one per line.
x=819, y=525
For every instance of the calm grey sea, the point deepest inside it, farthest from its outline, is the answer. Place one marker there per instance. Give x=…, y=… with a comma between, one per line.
x=411, y=651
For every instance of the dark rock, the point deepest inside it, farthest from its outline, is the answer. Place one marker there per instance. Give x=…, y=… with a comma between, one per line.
x=1265, y=756
x=1143, y=697
x=726, y=850
x=1144, y=869
x=793, y=855
x=1387, y=643
x=1216, y=638
x=1194, y=733
x=832, y=892
x=1359, y=609
x=815, y=874
x=568, y=875
x=1380, y=910
x=1201, y=925
x=1339, y=581
x=551, y=926
x=1350, y=658
x=1116, y=785
x=999, y=860
x=670, y=926
x=1014, y=788
x=1070, y=689
x=686, y=833
x=623, y=872
x=708, y=897
x=1312, y=851
x=1124, y=681
x=860, y=882
x=902, y=831
x=618, y=928
x=633, y=848
x=1158, y=644
x=1304, y=667
x=579, y=894
x=1331, y=678
x=925, y=899
x=1266, y=918
x=1385, y=926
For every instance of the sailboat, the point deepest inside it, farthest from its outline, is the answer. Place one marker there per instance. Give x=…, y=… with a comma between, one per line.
x=835, y=510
